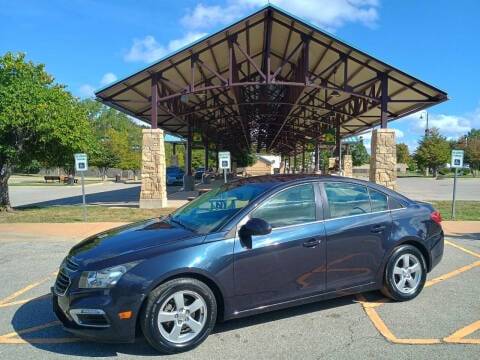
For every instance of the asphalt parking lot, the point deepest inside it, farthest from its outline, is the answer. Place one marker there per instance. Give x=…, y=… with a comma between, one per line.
x=442, y=323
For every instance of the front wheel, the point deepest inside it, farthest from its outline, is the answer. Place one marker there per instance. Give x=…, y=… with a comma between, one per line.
x=405, y=273
x=179, y=315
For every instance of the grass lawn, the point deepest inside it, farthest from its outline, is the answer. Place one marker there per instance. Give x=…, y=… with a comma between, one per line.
x=63, y=214
x=464, y=210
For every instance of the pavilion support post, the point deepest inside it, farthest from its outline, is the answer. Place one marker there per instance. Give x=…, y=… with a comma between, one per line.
x=153, y=193
x=294, y=163
x=206, y=179
x=154, y=102
x=317, y=158
x=303, y=159
x=337, y=139
x=188, y=179
x=383, y=159
x=384, y=101
x=174, y=159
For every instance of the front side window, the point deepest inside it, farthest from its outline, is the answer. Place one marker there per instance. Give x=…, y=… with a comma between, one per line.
x=213, y=209
x=292, y=206
x=346, y=199
x=378, y=200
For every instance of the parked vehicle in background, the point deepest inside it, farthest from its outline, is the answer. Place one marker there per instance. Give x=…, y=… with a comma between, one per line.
x=249, y=246
x=175, y=175
x=199, y=173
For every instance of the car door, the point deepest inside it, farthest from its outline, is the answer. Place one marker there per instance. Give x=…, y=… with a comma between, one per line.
x=289, y=262
x=357, y=231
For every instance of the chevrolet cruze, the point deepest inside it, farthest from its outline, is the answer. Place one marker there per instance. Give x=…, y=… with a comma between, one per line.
x=253, y=245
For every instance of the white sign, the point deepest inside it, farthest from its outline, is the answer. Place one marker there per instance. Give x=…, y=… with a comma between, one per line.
x=81, y=163
x=457, y=159
x=224, y=160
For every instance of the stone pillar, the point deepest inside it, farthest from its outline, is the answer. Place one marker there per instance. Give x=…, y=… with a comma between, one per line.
x=383, y=159
x=153, y=194
x=347, y=165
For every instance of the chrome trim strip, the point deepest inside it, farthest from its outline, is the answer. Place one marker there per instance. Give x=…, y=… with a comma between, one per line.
x=75, y=312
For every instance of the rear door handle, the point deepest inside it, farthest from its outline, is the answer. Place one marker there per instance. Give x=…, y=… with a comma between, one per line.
x=377, y=228
x=312, y=242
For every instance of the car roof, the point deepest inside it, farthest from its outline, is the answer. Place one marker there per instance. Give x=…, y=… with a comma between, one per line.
x=280, y=180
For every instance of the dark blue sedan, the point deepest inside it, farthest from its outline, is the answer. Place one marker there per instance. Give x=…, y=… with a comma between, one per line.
x=250, y=246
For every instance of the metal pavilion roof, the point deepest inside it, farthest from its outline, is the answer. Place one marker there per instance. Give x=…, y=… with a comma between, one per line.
x=270, y=81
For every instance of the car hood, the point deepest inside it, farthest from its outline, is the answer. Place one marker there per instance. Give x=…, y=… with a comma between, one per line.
x=129, y=241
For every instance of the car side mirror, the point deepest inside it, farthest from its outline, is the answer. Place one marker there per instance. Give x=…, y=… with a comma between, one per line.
x=254, y=226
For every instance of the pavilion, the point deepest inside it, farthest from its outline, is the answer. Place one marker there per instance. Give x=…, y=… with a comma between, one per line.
x=269, y=82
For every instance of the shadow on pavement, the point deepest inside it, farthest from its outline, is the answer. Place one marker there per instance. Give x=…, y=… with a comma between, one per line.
x=127, y=197
x=38, y=312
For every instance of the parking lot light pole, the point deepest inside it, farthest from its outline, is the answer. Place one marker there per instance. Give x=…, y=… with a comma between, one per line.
x=426, y=132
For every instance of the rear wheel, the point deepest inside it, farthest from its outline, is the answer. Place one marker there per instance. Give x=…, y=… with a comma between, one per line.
x=405, y=273
x=179, y=315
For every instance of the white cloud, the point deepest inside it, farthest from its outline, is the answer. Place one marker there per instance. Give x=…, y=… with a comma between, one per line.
x=450, y=126
x=108, y=78
x=148, y=49
x=328, y=14
x=86, y=90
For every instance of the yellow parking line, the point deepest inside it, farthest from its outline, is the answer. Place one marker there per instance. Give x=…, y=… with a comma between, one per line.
x=385, y=331
x=452, y=274
x=473, y=253
x=459, y=335
x=20, y=302
x=7, y=301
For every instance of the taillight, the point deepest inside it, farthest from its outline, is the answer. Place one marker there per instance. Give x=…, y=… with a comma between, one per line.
x=435, y=216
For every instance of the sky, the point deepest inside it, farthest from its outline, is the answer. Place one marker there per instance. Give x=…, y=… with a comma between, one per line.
x=87, y=44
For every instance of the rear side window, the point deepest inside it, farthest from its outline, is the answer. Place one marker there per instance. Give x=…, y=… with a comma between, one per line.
x=293, y=206
x=394, y=203
x=378, y=200
x=347, y=199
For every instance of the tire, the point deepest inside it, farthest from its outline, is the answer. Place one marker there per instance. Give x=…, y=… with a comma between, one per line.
x=176, y=333
x=412, y=276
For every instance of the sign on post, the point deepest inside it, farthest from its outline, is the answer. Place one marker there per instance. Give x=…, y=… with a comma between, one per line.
x=81, y=165
x=457, y=159
x=224, y=163
x=81, y=162
x=457, y=163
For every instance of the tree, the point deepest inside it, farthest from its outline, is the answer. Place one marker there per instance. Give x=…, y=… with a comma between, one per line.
x=104, y=158
x=359, y=154
x=470, y=143
x=118, y=138
x=433, y=151
x=39, y=120
x=403, y=155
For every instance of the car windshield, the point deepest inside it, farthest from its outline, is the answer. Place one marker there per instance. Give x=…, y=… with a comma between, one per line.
x=214, y=208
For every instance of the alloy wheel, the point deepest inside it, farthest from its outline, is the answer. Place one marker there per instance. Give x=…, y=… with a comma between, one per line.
x=407, y=273
x=182, y=316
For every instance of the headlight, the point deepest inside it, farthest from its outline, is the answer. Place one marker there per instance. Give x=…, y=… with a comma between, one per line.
x=104, y=278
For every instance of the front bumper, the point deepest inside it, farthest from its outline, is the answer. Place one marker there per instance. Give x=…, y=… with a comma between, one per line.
x=113, y=329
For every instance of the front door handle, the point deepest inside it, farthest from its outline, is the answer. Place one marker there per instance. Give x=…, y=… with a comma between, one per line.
x=377, y=228
x=312, y=242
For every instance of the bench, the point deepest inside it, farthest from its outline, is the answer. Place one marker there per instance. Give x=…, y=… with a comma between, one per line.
x=51, y=178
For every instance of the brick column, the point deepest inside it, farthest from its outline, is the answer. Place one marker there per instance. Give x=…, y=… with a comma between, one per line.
x=383, y=159
x=153, y=194
x=347, y=165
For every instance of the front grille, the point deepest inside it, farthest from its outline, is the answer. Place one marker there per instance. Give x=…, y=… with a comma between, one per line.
x=62, y=283
x=70, y=264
